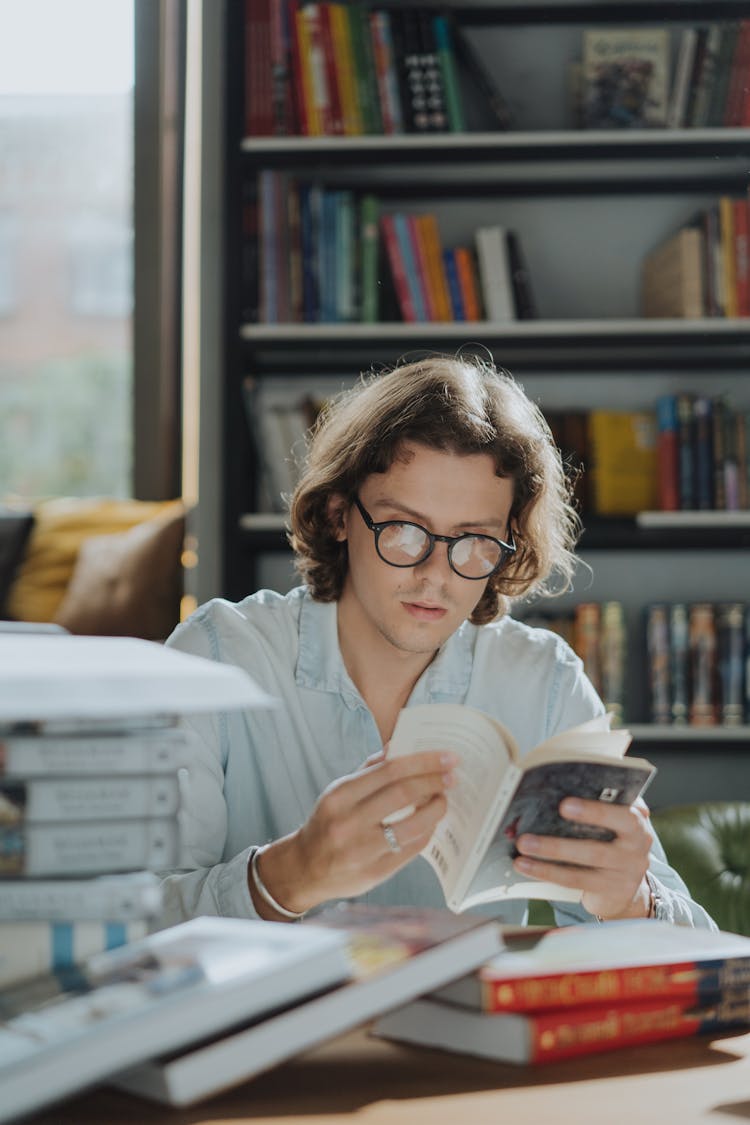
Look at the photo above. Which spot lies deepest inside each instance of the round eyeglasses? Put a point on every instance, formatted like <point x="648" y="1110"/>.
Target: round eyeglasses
<point x="400" y="543"/>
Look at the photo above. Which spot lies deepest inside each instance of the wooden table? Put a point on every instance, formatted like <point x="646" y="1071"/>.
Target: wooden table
<point x="357" y="1078"/>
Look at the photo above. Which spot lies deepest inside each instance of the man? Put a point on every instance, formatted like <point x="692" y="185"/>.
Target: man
<point x="432" y="495"/>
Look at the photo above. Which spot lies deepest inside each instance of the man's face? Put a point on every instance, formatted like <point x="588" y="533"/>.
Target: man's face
<point x="416" y="609"/>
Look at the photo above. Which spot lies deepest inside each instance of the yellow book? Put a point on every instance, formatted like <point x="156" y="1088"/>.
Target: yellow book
<point x="315" y="125"/>
<point x="343" y="52"/>
<point x="623" y="461"/>
<point x="429" y="234"/>
<point x="729" y="269"/>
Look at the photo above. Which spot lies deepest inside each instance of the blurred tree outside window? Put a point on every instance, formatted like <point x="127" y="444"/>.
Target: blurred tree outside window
<point x="66" y="248"/>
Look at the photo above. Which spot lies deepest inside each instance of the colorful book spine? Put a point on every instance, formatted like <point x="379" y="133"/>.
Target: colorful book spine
<point x="668" y="453"/>
<point x="730" y="636"/>
<point x="369" y="210"/>
<point x="703" y="665"/>
<point x="411" y="266"/>
<point x="613" y="645"/>
<point x="419" y="252"/>
<point x="458" y="313"/>
<point x="333" y="72"/>
<point x="344" y="57"/>
<point x="741" y="223"/>
<point x="77" y="799"/>
<point x="385" y="73"/>
<point x="398" y="269"/>
<point x="364" y="64"/>
<point x="469" y="282"/>
<point x="679" y="662"/>
<point x="658" y="661"/>
<point x="259" y="114"/>
<point x="447" y="60"/>
<point x="29" y="949"/>
<point x="586" y="640"/>
<point x="438" y="283"/>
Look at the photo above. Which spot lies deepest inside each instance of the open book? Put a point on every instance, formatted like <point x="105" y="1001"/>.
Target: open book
<point x="501" y="795"/>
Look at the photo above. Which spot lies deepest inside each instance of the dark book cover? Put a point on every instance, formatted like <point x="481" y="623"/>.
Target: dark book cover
<point x="523" y="295"/>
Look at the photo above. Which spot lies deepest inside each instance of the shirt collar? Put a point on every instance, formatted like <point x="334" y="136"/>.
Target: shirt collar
<point x="321" y="668"/>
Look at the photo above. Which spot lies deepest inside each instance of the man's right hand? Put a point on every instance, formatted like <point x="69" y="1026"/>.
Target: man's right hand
<point x="342" y="851"/>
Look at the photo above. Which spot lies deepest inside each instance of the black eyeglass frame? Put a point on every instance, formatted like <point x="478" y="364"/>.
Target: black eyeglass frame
<point x="507" y="550"/>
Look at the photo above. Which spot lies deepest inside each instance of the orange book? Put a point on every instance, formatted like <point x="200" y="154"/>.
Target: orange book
<point x="302" y="55"/>
<point x="437" y="281"/>
<point x="729" y="268"/>
<point x="543" y="1037"/>
<point x="419" y="249"/>
<point x="343" y="52"/>
<point x="467" y="279"/>
<point x="574" y="967"/>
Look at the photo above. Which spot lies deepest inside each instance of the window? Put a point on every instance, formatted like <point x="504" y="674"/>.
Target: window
<point x="66" y="247"/>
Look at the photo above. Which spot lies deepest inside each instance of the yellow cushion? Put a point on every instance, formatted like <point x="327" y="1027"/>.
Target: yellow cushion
<point x="60" y="528"/>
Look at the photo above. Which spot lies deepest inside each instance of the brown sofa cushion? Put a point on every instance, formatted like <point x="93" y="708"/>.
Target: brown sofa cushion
<point x="129" y="583"/>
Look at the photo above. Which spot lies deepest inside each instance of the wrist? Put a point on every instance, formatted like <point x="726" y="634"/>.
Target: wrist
<point x="643" y="904"/>
<point x="273" y="877"/>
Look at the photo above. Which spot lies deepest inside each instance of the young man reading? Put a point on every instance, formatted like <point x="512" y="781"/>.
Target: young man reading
<point x="432" y="495"/>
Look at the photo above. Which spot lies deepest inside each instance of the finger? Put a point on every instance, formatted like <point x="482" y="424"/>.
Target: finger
<point x="392" y="770"/>
<point x="574" y="853"/>
<point x="408" y="836"/>
<point x="619" y="819"/>
<point x="400" y="799"/>
<point x="585" y="879"/>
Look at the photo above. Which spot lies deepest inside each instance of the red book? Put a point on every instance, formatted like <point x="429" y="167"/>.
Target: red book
<point x="298" y="72"/>
<point x="668" y="453"/>
<point x="742" y="254"/>
<point x="580" y="966"/>
<point x="543" y="1037"/>
<point x="333" y="82"/>
<point x="738" y="80"/>
<point x="398" y="269"/>
<point x="259" y="112"/>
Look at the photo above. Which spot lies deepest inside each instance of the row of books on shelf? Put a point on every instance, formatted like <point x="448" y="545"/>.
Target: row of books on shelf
<point x="696" y="656"/>
<point x="341" y="69"/>
<point x="318" y="255"/>
<point x="703" y="269"/>
<point x="689" y="453"/>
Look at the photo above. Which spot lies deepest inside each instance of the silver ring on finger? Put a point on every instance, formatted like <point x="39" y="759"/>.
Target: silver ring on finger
<point x="391" y="839"/>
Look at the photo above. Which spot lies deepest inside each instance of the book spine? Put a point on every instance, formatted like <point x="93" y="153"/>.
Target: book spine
<point x="586" y="638"/>
<point x="525" y="306"/>
<point x="703" y="665"/>
<point x="95" y="848"/>
<point x="385" y="73"/>
<point x="77" y="799"/>
<point x="418" y="245"/>
<point x="706" y="79"/>
<point x="680" y="980"/>
<point x="458" y="312"/>
<point x="703" y="453"/>
<point x="119" y="898"/>
<point x="369" y="209"/>
<point x="259" y="112"/>
<point x="309" y="205"/>
<point x="28" y="949"/>
<point x="467" y="276"/>
<point x="430" y="237"/>
<point x="585" y="1031"/>
<point x="657" y="647"/>
<point x="24" y="757"/>
<point x="677" y="111"/>
<point x="668" y="453"/>
<point x="333" y="76"/>
<point x="411" y="267"/>
<point x="300" y="75"/>
<point x="741" y="222"/>
<point x="613" y="659"/>
<point x="281" y="79"/>
<point x="730" y="636"/>
<point x="686" y="426"/>
<point x="727" y="240"/>
<point x="398" y="270"/>
<point x="346" y="292"/>
<point x="679" y="661"/>
<point x="446" y="57"/>
<point x="494" y="273"/>
<point x="364" y="59"/>
<point x="294" y="255"/>
<point x="344" y="56"/>
<point x="719" y="410"/>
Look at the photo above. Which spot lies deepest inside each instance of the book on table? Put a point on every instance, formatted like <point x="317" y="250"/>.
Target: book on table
<point x="561" y="1033"/>
<point x="396" y="954"/>
<point x="631" y="960"/>
<point x="499" y="795"/>
<point x="169" y="989"/>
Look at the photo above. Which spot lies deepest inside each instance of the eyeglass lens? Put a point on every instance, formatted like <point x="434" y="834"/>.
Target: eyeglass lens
<point x="406" y="544"/>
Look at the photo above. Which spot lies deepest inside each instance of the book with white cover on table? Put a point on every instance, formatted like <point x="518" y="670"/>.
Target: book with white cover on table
<point x="163" y="992"/>
<point x="397" y="953"/>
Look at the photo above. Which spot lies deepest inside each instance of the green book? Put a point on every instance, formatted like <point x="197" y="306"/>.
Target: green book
<point x="446" y="56"/>
<point x="364" y="65"/>
<point x="369" y="212"/>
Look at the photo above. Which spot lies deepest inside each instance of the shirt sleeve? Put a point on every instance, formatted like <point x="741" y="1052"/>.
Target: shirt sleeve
<point x="205" y="882"/>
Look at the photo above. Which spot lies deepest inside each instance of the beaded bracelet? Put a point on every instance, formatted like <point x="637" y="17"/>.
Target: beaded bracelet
<point x="264" y="892"/>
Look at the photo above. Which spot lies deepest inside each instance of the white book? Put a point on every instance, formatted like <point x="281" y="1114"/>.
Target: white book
<point x="75" y="799"/>
<point x="499" y="795"/>
<point x="397" y="954"/>
<point x="116" y="898"/>
<point x="170" y="989"/>
<point x="680" y="92"/>
<point x="30" y="948"/>
<point x="495" y="274"/>
<point x="95" y="847"/>
<point x="156" y="750"/>
<point x="58" y="676"/>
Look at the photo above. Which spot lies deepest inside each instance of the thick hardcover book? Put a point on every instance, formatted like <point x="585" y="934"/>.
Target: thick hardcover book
<point x="576" y="966"/>
<point x="623" y="461"/>
<point x="63" y="677"/>
<point x="625" y="77"/>
<point x="172" y="988"/>
<point x="543" y="1037"/>
<point x="129" y="752"/>
<point x="30" y="948"/>
<point x="116" y="898"/>
<point x="730" y="636"/>
<point x="500" y="795"/>
<point x="673" y="276"/>
<point x="73" y="800"/>
<point x="396" y="954"/>
<point x="96" y="847"/>
<point x="703" y="665"/>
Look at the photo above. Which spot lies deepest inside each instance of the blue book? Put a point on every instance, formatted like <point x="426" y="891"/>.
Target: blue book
<point x="454" y="286"/>
<point x="410" y="265"/>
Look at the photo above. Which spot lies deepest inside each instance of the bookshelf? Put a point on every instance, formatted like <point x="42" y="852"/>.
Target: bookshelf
<point x="588" y="205"/>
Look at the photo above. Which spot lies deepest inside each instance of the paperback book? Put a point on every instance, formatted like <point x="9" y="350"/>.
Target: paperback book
<point x="500" y="795"/>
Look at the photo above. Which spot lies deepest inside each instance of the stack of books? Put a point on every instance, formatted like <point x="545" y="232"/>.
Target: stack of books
<point x="90" y="748"/>
<point x="555" y="994"/>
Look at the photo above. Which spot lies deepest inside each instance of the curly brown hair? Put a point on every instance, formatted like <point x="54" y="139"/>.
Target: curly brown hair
<point x="457" y="404"/>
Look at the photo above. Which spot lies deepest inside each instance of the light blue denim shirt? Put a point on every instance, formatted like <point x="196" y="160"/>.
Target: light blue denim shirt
<point x="257" y="774"/>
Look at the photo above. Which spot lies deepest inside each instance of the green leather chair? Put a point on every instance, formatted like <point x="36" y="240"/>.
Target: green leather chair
<point x="709" y="845"/>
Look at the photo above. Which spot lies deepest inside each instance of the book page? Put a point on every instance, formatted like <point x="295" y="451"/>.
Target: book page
<point x="534" y="808"/>
<point x="593" y="739"/>
<point x="484" y="761"/>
